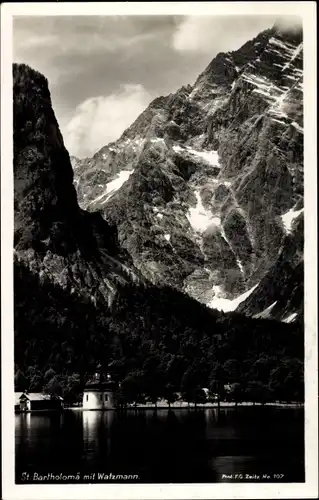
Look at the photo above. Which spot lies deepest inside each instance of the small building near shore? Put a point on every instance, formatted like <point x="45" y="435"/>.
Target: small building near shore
<point x="37" y="401"/>
<point x="17" y="402"/>
<point x="98" y="393"/>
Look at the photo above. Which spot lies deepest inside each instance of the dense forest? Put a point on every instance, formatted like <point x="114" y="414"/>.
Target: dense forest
<point x="156" y="342"/>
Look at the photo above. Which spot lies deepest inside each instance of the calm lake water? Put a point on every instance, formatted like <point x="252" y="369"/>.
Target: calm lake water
<point x="164" y="446"/>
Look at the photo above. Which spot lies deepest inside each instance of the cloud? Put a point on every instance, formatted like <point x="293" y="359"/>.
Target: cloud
<point x="86" y="56"/>
<point x="100" y="120"/>
<point x="75" y="42"/>
<point x="213" y="34"/>
<point x="289" y="23"/>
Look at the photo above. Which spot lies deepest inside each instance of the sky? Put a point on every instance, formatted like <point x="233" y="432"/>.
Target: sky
<point x="103" y="71"/>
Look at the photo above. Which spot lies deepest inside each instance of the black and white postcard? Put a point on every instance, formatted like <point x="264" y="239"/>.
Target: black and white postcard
<point x="159" y="304"/>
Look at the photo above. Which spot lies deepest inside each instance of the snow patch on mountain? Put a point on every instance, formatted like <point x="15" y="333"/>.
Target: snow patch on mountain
<point x="266" y="312"/>
<point x="294" y="55"/>
<point x="278" y="107"/>
<point x="210" y="156"/>
<point x="113" y="186"/>
<point x="279" y="121"/>
<point x="118" y="182"/>
<point x="239" y="263"/>
<point x="289" y="217"/>
<point x="287" y="47"/>
<point x="262" y="86"/>
<point x="157" y="139"/>
<point x="297" y="127"/>
<point x="157" y="212"/>
<point x="220" y="303"/>
<point x="199" y="217"/>
<point x="290" y="318"/>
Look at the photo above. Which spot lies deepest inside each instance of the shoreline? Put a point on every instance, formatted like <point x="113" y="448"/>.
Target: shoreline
<point x="191" y="406"/>
<point x="179" y="406"/>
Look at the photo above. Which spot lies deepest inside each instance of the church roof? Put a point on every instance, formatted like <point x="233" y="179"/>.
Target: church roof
<point x="106" y="385"/>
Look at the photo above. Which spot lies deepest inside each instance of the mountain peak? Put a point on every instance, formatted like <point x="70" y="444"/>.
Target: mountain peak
<point x="216" y="167"/>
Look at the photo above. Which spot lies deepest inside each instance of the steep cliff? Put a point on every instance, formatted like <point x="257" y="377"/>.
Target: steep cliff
<point x="53" y="237"/>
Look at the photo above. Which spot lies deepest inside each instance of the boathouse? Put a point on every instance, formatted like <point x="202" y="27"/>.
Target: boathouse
<point x="37" y="401"/>
<point x="98" y="393"/>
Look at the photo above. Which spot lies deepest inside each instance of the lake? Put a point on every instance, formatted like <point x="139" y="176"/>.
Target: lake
<point x="203" y="445"/>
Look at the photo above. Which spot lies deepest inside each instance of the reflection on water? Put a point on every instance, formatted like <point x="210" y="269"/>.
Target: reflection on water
<point x="96" y="434"/>
<point x="23" y="427"/>
<point x="164" y="445"/>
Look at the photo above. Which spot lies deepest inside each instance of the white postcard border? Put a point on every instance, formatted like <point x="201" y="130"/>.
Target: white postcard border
<point x="309" y="489"/>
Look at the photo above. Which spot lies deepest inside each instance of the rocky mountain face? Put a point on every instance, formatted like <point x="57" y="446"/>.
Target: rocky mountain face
<point x="171" y="213"/>
<point x="206" y="187"/>
<point x="53" y="237"/>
